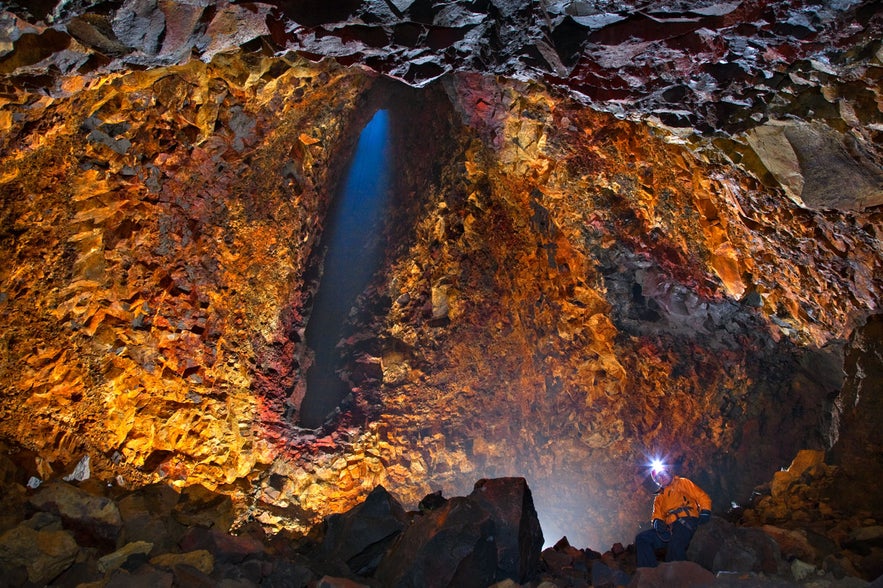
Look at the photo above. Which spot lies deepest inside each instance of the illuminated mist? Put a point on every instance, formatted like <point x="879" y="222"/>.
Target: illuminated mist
<point x="352" y="253"/>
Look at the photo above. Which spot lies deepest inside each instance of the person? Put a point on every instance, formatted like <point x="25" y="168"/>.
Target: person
<point x="679" y="506"/>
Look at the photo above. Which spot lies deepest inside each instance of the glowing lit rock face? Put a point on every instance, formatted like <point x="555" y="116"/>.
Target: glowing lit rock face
<point x="564" y="294"/>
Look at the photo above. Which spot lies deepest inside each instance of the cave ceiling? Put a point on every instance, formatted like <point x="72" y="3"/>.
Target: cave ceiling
<point x="615" y="230"/>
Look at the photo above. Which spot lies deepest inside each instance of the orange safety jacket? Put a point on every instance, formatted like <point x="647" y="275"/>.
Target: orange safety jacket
<point x="681" y="498"/>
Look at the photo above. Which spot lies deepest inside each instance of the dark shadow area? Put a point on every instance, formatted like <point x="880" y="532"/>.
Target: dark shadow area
<point x="857" y="414"/>
<point x="352" y="248"/>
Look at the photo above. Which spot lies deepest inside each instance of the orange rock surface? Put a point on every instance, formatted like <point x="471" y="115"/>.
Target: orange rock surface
<point x="564" y="295"/>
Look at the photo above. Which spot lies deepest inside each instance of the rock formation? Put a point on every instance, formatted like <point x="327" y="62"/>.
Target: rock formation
<point x="85" y="534"/>
<point x="613" y="234"/>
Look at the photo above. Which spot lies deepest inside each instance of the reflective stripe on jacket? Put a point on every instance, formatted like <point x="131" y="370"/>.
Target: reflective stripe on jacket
<point x="681" y="498"/>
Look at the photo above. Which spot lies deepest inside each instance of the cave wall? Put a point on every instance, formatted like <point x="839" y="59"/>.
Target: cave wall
<point x="157" y="224"/>
<point x="599" y="306"/>
<point x="565" y="293"/>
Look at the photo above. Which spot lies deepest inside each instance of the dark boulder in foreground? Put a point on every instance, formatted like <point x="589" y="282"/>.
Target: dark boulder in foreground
<point x="491" y="535"/>
<point x="357" y="539"/>
<point x="451" y="546"/>
<point x="722" y="547"/>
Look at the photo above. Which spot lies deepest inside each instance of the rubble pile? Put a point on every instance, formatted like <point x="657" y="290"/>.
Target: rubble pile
<point x="815" y="527"/>
<point x="93" y="534"/>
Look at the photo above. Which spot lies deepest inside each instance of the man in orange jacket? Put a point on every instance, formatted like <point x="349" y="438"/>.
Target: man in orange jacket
<point x="679" y="506"/>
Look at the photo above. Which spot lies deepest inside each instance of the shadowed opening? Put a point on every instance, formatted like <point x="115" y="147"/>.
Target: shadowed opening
<point x="352" y="245"/>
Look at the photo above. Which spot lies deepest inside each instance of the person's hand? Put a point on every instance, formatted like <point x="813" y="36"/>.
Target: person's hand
<point x="704" y="516"/>
<point x="663" y="531"/>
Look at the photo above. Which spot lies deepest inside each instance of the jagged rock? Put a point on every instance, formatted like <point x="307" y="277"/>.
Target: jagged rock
<point x="560" y="556"/>
<point x="89" y="515"/>
<point x="198" y="506"/>
<point x="43" y="553"/>
<point x="451" y="546"/>
<point x="140" y="24"/>
<point x="865" y="538"/>
<point x="792" y="543"/>
<point x="604" y="575"/>
<point x="783" y="479"/>
<point x="361" y="536"/>
<point x="491" y="534"/>
<point x="720" y="546"/>
<point x="287" y="573"/>
<point x="186" y="575"/>
<point x="200" y="560"/>
<point x="432" y="501"/>
<point x="675" y="573"/>
<point x="615" y="284"/>
<point x="226" y="548"/>
<point x="818" y="167"/>
<point x="517" y="534"/>
<point x="116" y="559"/>
<point x="458" y="531"/>
<point x="147" y="516"/>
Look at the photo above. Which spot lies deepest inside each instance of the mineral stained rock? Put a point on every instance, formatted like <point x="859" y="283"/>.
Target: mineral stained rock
<point x="566" y="289"/>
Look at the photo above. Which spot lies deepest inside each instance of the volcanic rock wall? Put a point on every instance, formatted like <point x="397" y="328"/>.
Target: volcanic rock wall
<point x="172" y="214"/>
<point x="565" y="292"/>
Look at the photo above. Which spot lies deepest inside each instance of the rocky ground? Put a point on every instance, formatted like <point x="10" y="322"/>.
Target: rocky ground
<point x="87" y="533"/>
<point x="616" y="232"/>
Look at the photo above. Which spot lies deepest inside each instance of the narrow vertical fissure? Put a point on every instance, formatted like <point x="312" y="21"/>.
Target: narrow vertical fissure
<point x="352" y="248"/>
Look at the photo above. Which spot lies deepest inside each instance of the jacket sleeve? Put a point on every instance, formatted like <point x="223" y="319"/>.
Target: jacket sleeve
<point x="658" y="508"/>
<point x="699" y="496"/>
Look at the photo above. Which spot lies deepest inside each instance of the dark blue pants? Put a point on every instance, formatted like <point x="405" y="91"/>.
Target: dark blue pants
<point x="647" y="542"/>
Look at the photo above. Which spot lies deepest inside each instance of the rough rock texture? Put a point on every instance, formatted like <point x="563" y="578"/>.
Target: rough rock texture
<point x="575" y="278"/>
<point x="812" y="510"/>
<point x="178" y="538"/>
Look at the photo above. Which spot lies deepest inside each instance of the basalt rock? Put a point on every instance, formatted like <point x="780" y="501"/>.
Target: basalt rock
<point x="360" y="538"/>
<point x="720" y="546"/>
<point x="712" y="65"/>
<point x="454" y="543"/>
<point x="615" y="233"/>
<point x="676" y="573"/>
<point x="803" y="512"/>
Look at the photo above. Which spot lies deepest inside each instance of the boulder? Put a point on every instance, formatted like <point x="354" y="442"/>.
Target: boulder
<point x="43" y="553"/>
<point x="452" y="546"/>
<point x="147" y="516"/>
<point x="792" y="543"/>
<point x="225" y="548"/>
<point x="199" y="506"/>
<point x="200" y="560"/>
<point x="285" y="574"/>
<point x="143" y="577"/>
<point x="519" y="537"/>
<point x="863" y="539"/>
<point x="87" y="515"/>
<point x="361" y="536"/>
<point x="805" y="460"/>
<point x="720" y="546"/>
<point x="119" y="557"/>
<point x="604" y="575"/>
<point x="683" y="574"/>
<point x="564" y="561"/>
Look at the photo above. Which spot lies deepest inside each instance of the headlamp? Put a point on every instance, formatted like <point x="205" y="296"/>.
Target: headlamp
<point x="656" y="466"/>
